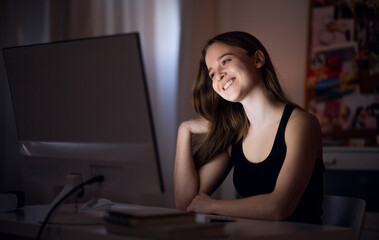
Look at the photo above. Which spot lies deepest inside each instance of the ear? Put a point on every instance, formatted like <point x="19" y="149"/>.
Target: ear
<point x="259" y="59"/>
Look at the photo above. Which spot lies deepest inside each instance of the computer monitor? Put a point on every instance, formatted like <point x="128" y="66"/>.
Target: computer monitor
<point x="82" y="107"/>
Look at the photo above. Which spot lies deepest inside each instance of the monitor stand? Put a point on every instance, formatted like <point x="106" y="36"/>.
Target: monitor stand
<point x="71" y="213"/>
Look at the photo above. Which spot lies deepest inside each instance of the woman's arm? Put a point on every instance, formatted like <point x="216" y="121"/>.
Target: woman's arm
<point x="304" y="146"/>
<point x="188" y="181"/>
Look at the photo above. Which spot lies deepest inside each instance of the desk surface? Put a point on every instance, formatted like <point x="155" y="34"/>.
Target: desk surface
<point x="25" y="223"/>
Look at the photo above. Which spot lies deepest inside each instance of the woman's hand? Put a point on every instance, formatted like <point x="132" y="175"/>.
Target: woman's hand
<point x="196" y="126"/>
<point x="201" y="204"/>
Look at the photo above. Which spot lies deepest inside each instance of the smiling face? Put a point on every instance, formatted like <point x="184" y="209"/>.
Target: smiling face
<point x="234" y="74"/>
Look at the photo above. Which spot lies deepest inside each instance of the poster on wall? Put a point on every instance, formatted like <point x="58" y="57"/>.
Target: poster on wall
<point x="342" y="83"/>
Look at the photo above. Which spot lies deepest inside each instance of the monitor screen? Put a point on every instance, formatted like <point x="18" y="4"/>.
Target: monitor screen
<point x="82" y="107"/>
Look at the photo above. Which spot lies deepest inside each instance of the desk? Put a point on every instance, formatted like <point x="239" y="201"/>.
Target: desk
<point x="23" y="224"/>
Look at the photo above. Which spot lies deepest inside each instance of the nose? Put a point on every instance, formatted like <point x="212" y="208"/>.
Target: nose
<point x="220" y="76"/>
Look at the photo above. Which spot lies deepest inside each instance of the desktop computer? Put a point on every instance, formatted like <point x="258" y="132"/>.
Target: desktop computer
<point x="82" y="109"/>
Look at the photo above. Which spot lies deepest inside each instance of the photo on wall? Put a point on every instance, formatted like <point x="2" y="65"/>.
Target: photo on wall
<point x="342" y="82"/>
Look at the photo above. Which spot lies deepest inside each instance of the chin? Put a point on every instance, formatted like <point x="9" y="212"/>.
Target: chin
<point x="230" y="97"/>
<point x="233" y="100"/>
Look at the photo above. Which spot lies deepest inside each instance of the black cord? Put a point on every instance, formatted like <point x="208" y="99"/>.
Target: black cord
<point x="89" y="181"/>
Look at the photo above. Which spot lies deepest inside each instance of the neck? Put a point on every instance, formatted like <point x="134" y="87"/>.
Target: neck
<point x="260" y="110"/>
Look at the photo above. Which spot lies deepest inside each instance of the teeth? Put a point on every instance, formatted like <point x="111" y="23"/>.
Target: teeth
<point x="228" y="84"/>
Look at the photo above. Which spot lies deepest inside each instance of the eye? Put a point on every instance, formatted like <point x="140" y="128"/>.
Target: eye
<point x="226" y="61"/>
<point x="211" y="75"/>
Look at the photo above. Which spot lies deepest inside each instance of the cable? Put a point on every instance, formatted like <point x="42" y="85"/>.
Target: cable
<point x="89" y="181"/>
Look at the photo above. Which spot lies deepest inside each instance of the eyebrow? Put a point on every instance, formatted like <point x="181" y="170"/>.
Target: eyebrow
<point x="219" y="58"/>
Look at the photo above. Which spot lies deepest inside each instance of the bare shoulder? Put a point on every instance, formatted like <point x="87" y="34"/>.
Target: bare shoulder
<point x="302" y="119"/>
<point x="304" y="129"/>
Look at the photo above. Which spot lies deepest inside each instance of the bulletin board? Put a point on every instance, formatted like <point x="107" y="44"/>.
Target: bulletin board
<point x="342" y="82"/>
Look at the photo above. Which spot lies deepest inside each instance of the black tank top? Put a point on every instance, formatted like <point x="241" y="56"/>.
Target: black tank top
<point x="251" y="179"/>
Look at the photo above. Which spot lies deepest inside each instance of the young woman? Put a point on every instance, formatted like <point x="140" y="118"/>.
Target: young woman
<point x="274" y="146"/>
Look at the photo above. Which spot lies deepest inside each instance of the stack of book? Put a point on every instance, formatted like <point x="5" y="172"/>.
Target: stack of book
<point x="160" y="223"/>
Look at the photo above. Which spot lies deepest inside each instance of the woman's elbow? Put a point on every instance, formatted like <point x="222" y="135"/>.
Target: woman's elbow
<point x="281" y="213"/>
<point x="280" y="216"/>
<point x="181" y="204"/>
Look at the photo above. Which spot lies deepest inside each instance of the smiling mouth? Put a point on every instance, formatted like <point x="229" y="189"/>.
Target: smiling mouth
<point x="228" y="83"/>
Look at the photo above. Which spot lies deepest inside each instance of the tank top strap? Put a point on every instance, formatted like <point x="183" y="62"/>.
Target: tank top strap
<point x="285" y="117"/>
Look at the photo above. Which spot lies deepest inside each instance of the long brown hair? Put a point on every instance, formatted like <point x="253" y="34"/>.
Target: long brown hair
<point x="228" y="121"/>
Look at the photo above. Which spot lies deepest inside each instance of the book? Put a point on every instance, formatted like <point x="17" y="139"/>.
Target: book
<point x="191" y="231"/>
<point x="148" y="216"/>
